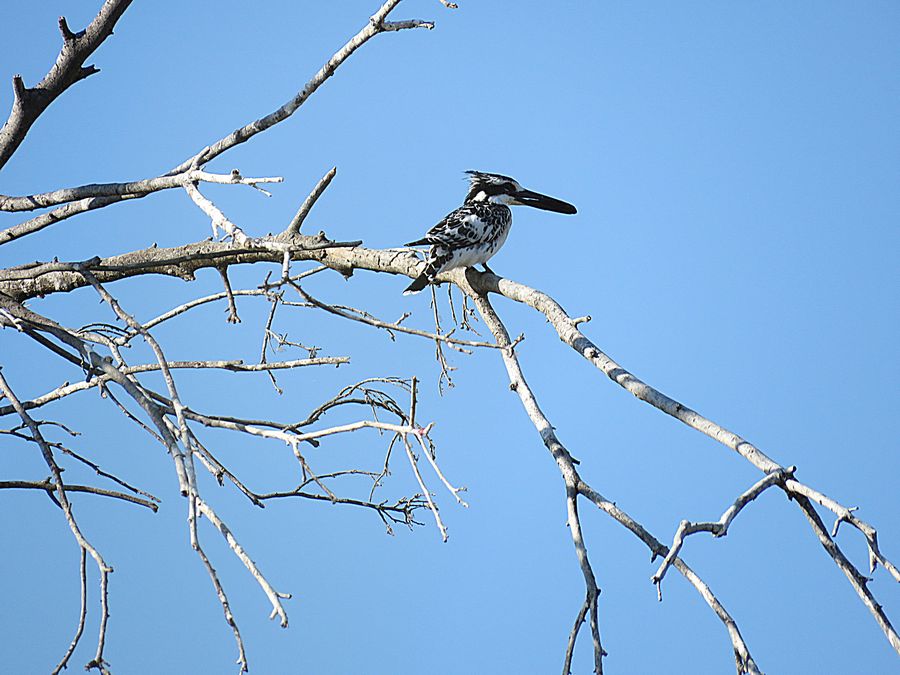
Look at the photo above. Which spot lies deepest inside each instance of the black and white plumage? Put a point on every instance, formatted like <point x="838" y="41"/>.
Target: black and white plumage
<point x="475" y="231"/>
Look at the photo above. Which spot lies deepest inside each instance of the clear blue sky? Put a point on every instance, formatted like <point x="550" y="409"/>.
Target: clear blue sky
<point x="735" y="167"/>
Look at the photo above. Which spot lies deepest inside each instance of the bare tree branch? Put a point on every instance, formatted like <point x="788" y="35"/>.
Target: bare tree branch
<point x="234" y="366"/>
<point x="63" y="501"/>
<point x="226" y="608"/>
<point x="23" y="116"/>
<point x="82" y="615"/>
<point x="857" y="580"/>
<point x="374" y="26"/>
<point x="69" y="68"/>
<point x="567" y="329"/>
<point x="183" y="262"/>
<point x="49" y="487"/>
<point x="95" y="196"/>
<point x="390" y="327"/>
<point x="138" y="188"/>
<point x="275" y="597"/>
<point x="720" y="527"/>
<point x="744" y="662"/>
<point x="297" y="221"/>
<point x="576" y="486"/>
<point x="403" y="262"/>
<point x="178" y="427"/>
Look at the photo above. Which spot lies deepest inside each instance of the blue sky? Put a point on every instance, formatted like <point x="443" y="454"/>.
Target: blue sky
<point x="735" y="167"/>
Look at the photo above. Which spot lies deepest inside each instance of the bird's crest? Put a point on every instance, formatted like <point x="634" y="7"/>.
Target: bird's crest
<point x="483" y="185"/>
<point x="484" y="178"/>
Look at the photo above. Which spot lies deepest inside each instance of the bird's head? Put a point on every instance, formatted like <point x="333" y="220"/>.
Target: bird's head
<point x="499" y="189"/>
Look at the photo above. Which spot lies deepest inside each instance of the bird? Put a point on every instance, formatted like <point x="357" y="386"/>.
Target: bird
<point x="475" y="231"/>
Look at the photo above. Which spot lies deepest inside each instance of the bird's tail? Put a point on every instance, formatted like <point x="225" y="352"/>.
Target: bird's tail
<point x="434" y="265"/>
<point x="420" y="282"/>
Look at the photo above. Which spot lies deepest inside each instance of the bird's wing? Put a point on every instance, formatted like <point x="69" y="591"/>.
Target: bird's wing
<point x="463" y="227"/>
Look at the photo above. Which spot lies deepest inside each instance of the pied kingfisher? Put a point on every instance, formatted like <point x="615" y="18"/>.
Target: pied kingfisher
<point x="475" y="231"/>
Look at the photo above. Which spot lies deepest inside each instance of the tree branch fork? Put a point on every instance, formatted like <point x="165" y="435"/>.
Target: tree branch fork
<point x="172" y="423"/>
<point x="346" y="257"/>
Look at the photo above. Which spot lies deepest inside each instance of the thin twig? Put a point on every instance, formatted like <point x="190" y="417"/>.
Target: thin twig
<point x="63" y="501"/>
<point x="232" y="308"/>
<point x="50" y="487"/>
<point x="720" y="527"/>
<point x="226" y="608"/>
<point x="236" y="366"/>
<point x="133" y="188"/>
<point x="297" y="221"/>
<point x="372" y="321"/>
<point x="446" y="368"/>
<point x="373" y="27"/>
<point x="425" y="493"/>
<point x="82" y="615"/>
<point x="274" y="596"/>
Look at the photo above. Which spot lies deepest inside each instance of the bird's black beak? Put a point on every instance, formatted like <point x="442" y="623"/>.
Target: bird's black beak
<point x="539" y="201"/>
